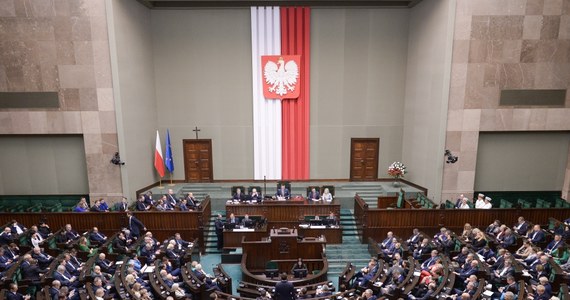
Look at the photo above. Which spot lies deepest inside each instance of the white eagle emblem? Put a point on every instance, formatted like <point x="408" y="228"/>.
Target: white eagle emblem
<point x="283" y="78"/>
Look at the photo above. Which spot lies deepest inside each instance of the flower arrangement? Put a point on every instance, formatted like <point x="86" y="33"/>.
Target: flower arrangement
<point x="397" y="170"/>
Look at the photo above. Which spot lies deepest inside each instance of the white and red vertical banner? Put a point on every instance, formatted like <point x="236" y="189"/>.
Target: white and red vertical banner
<point x="281" y="86"/>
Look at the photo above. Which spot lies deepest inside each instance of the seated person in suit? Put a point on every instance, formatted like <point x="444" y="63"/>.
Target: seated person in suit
<point x="13" y="294"/>
<point x="191" y="201"/>
<point x="96" y="236"/>
<point x="246" y="221"/>
<point x="521" y="227"/>
<point x="282" y="192"/>
<point x="233" y="219"/>
<point x="537" y="235"/>
<point x="327" y="196"/>
<point x="238" y="195"/>
<point x="314" y="195"/>
<point x="552" y="246"/>
<point x="255" y="196"/>
<point x="141" y="204"/>
<point x="17" y="228"/>
<point x="6" y="237"/>
<point x="332" y="220"/>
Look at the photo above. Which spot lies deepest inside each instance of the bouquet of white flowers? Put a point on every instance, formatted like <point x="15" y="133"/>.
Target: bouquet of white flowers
<point x="397" y="170"/>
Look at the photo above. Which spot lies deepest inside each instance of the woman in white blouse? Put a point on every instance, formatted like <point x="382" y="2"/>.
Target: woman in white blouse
<point x="327" y="196"/>
<point x="36" y="239"/>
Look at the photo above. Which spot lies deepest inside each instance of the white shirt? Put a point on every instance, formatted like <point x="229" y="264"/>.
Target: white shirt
<point x="479" y="203"/>
<point x="487" y="205"/>
<point x="464" y="206"/>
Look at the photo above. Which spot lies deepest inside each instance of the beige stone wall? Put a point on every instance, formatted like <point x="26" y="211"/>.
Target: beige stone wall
<point x="503" y="44"/>
<point x="62" y="46"/>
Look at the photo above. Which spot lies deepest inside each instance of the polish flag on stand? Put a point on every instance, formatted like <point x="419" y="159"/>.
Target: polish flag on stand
<point x="158" y="160"/>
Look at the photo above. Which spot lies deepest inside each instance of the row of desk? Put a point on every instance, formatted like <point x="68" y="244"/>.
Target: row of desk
<point x="283" y="214"/>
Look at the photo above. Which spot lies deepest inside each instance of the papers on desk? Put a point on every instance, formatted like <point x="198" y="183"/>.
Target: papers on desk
<point x="417" y="273"/>
<point x="243" y="230"/>
<point x="481" y="257"/>
<point x="318" y="226"/>
<point x="526" y="273"/>
<point x="488" y="293"/>
<point x="147" y="269"/>
<point x="118" y="263"/>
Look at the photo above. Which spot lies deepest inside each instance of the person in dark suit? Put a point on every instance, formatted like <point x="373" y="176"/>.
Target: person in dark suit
<point x="54" y="290"/>
<point x="135" y="226"/>
<point x="219" y="223"/>
<point x="508" y="239"/>
<point x="13" y="294"/>
<point x="142" y="204"/>
<point x="541" y="293"/>
<point x="255" y="195"/>
<point x="30" y="269"/>
<point x="521" y="227"/>
<point x="332" y="219"/>
<point x="284" y="290"/>
<point x="17" y="228"/>
<point x="5" y="262"/>
<point x="472" y="270"/>
<point x="182" y="204"/>
<point x="148" y="199"/>
<point x="314" y="195"/>
<point x="537" y="235"/>
<point x="191" y="201"/>
<point x="43" y="259"/>
<point x="554" y="244"/>
<point x="123" y="205"/>
<point x="502" y="273"/>
<point x="171" y="198"/>
<point x="282" y="192"/>
<point x="422" y="249"/>
<point x="106" y="265"/>
<point x="120" y="244"/>
<point x="70" y="234"/>
<point x="238" y="195"/>
<point x="415" y="239"/>
<point x="65" y="278"/>
<point x="6" y="237"/>
<point x="233" y="219"/>
<point x="96" y="207"/>
<point x="96" y="236"/>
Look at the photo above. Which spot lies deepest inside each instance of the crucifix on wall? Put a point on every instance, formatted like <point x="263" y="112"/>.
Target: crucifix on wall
<point x="196" y="130"/>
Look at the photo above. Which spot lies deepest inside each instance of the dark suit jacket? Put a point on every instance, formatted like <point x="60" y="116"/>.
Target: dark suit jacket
<point x="284" y="193"/>
<point x="6" y="239"/>
<point x="508" y="240"/>
<point x="13" y="228"/>
<point x="537" y="237"/>
<point x="31" y="272"/>
<point x="97" y="237"/>
<point x="284" y="290"/>
<point x="240" y="196"/>
<point x="315" y="195"/>
<point x="135" y="226"/>
<point x="523" y="229"/>
<point x="14" y="296"/>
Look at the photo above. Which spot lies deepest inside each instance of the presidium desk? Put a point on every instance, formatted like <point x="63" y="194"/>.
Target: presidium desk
<point x="279" y="250"/>
<point x="283" y="214"/>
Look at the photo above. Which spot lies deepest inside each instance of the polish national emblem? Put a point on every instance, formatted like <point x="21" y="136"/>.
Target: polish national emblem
<point x="281" y="76"/>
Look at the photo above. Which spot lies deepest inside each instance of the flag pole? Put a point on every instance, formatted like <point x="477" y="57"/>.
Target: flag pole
<point x="160" y="183"/>
<point x="171" y="184"/>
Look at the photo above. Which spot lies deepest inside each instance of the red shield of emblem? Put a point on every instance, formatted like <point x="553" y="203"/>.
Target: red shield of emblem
<point x="281" y="76"/>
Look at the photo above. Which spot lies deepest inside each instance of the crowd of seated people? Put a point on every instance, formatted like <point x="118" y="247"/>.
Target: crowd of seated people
<point x="145" y="202"/>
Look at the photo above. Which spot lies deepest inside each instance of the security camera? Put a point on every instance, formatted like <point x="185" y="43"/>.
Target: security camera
<point x="116" y="160"/>
<point x="451" y="159"/>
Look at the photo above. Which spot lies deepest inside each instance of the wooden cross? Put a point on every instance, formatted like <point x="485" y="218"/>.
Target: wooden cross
<point x="196" y="130"/>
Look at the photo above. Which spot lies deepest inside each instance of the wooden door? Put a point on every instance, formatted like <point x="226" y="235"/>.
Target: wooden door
<point x="198" y="160"/>
<point x="364" y="158"/>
